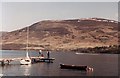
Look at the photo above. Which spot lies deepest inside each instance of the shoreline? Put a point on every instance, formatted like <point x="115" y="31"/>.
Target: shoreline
<point x="82" y="52"/>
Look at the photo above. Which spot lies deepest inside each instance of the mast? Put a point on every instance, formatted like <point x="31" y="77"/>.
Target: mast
<point x="27" y="42"/>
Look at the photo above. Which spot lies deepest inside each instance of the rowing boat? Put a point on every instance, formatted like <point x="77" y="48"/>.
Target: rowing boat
<point x="76" y="67"/>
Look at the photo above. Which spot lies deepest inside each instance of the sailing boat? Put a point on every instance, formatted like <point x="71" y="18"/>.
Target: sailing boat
<point x="26" y="60"/>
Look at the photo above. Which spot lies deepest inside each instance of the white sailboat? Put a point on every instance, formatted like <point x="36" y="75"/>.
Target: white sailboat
<point x="26" y="60"/>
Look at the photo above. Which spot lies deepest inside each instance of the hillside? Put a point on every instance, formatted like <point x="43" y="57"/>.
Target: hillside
<point x="64" y="34"/>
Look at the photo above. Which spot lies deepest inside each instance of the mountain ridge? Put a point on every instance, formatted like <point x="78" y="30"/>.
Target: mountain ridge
<point x="64" y="34"/>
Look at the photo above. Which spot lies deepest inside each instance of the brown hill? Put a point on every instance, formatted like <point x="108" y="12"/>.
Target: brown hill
<point x="64" y="34"/>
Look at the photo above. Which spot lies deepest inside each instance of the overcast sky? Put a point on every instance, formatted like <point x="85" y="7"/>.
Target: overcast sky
<point x="16" y="15"/>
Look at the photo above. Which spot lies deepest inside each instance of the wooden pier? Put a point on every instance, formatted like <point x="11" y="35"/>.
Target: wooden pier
<point x="6" y="61"/>
<point x="48" y="60"/>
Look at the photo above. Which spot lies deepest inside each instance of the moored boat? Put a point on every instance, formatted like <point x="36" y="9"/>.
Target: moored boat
<point x="26" y="61"/>
<point x="76" y="67"/>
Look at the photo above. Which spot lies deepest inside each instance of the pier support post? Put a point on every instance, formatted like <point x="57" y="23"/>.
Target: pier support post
<point x="2" y="63"/>
<point x="8" y="62"/>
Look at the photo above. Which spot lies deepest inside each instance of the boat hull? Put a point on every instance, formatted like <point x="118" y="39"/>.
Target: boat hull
<point x="64" y="66"/>
<point x="25" y="61"/>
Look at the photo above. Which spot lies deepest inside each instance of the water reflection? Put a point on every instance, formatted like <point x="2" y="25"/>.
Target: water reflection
<point x="26" y="69"/>
<point x="1" y="73"/>
<point x="90" y="72"/>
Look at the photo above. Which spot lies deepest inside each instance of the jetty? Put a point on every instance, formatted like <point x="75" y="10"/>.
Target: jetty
<point x="7" y="61"/>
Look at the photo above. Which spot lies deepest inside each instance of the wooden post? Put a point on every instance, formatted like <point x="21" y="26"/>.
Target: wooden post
<point x="2" y="63"/>
<point x="8" y="62"/>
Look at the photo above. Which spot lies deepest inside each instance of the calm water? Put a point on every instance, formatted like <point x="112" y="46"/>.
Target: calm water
<point x="103" y="64"/>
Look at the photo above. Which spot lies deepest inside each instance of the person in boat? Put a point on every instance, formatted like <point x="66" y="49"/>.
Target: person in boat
<point x="48" y="54"/>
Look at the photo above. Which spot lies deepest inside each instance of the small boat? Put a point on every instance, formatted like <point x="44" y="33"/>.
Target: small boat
<point x="79" y="53"/>
<point x="76" y="67"/>
<point x="85" y="53"/>
<point x="26" y="61"/>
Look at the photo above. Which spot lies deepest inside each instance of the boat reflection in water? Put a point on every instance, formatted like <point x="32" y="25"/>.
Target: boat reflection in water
<point x="26" y="69"/>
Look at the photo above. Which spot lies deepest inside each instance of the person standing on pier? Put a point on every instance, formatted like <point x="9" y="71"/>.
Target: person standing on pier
<point x="48" y="54"/>
<point x="40" y="53"/>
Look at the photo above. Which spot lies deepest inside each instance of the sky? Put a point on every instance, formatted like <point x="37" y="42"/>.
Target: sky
<point x="17" y="15"/>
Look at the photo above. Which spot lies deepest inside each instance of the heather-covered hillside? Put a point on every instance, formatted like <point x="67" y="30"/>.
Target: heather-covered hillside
<point x="64" y="35"/>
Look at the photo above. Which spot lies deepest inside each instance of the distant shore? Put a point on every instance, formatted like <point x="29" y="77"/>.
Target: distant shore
<point x="113" y="49"/>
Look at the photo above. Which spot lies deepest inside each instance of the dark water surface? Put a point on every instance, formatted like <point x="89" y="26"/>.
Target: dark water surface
<point x="103" y="64"/>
